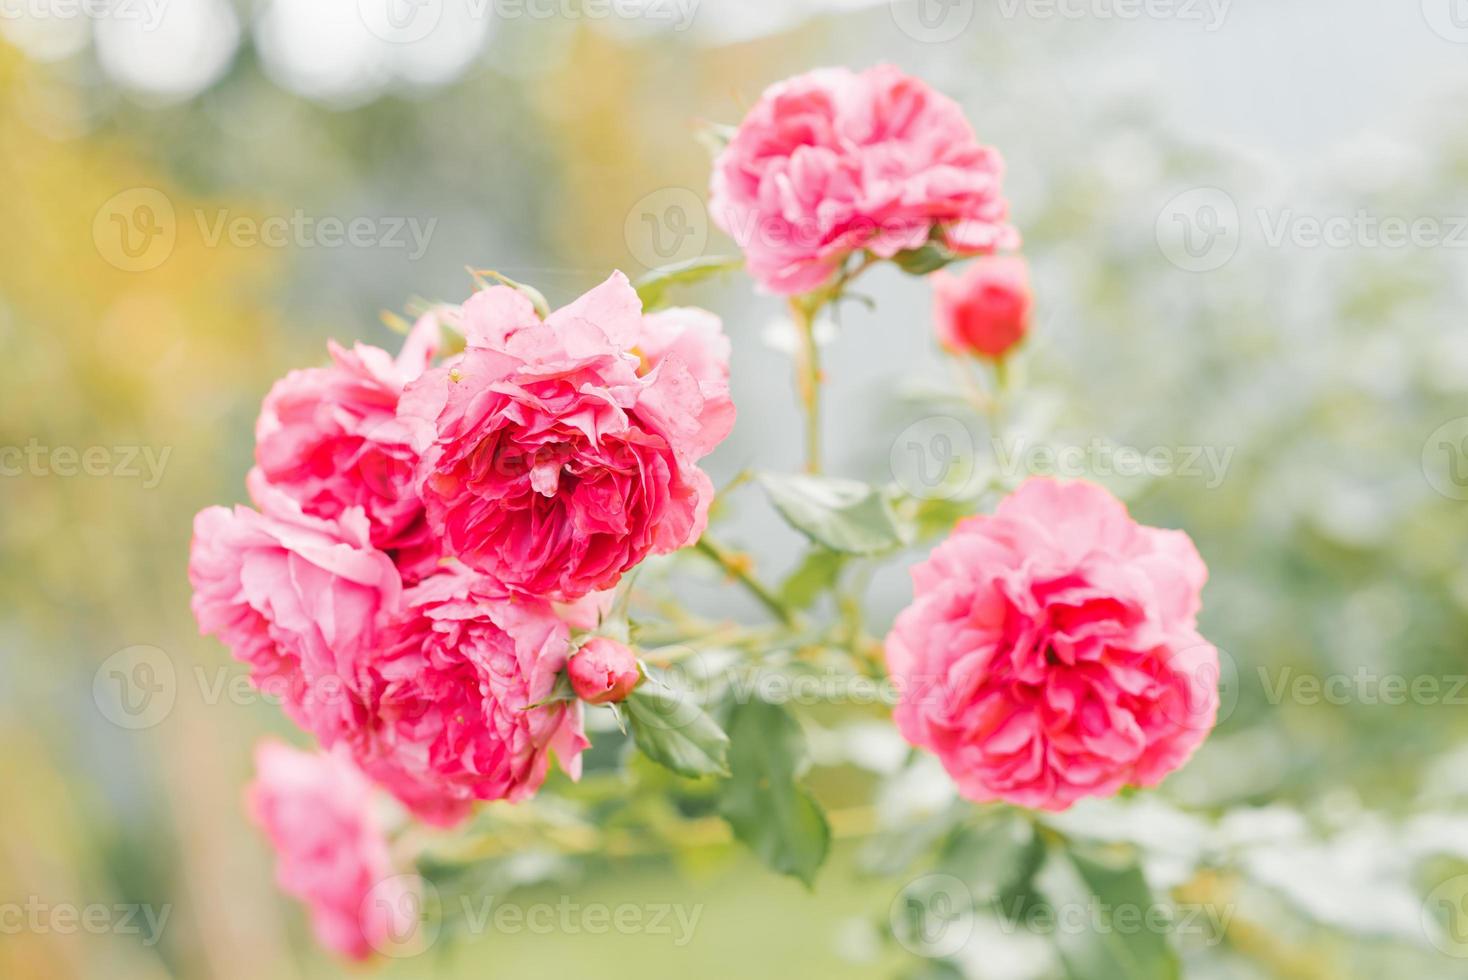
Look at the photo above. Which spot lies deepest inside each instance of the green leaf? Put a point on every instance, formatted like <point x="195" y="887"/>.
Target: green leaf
<point x="560" y="691"/>
<point x="672" y="730"/>
<point x="924" y="259"/>
<point x="843" y="515"/>
<point x="921" y="519"/>
<point x="817" y="573"/>
<point x="1123" y="940"/>
<point x="995" y="858"/>
<point x="653" y="288"/>
<point x="767" y="810"/>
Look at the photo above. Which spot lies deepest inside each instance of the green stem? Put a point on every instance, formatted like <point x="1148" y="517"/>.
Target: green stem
<point x="808" y="378"/>
<point x="739" y="572"/>
<point x="804" y="310"/>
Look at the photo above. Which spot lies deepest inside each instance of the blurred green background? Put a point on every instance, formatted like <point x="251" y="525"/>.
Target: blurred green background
<point x="178" y="187"/>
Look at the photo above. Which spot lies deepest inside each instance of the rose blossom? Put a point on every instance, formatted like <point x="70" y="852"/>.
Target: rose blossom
<point x="328" y="437"/>
<point x="985" y="308"/>
<point x="298" y="599"/>
<point x="603" y="671"/>
<point x="556" y="455"/>
<point x="832" y="162"/>
<point x="1051" y="650"/>
<point x="446" y="714"/>
<point x="316" y="810"/>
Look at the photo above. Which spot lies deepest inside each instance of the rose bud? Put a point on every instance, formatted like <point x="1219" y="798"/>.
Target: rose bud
<point x="985" y="309"/>
<point x="603" y="671"/>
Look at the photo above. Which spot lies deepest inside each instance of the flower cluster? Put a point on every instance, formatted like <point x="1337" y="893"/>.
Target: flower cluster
<point x="415" y="522"/>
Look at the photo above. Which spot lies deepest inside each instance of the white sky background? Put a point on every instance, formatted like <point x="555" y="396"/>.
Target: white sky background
<point x="1291" y="75"/>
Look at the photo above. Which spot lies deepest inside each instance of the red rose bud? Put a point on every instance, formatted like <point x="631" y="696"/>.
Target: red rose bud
<point x="603" y="671"/>
<point x="985" y="309"/>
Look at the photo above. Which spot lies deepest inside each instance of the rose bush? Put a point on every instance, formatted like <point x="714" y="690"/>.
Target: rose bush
<point x="439" y="578"/>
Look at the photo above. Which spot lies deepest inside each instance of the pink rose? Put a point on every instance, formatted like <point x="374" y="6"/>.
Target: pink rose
<point x="328" y="437"/>
<point x="1051" y="651"/>
<point x="985" y="309"/>
<point x="832" y="162"/>
<point x="316" y="810"/>
<point x="300" y="600"/>
<point x="554" y="457"/>
<point x="603" y="671"/>
<point x="446" y="717"/>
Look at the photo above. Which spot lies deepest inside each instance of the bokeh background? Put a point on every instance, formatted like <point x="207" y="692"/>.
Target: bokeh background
<point x="1248" y="229"/>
